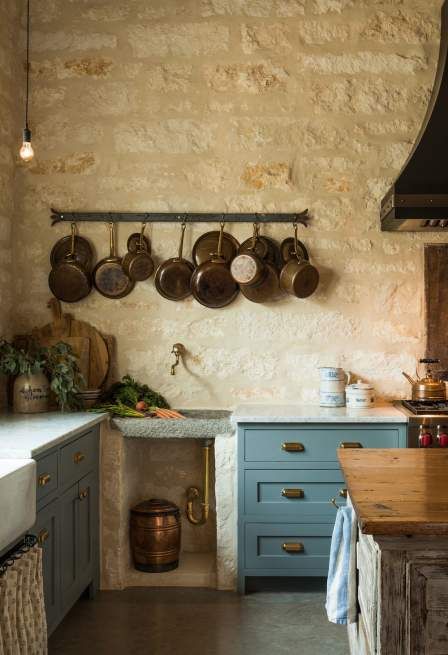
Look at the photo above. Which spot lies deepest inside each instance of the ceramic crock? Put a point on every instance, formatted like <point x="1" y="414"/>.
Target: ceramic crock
<point x="360" y="395"/>
<point x="31" y="393"/>
<point x="331" y="399"/>
<point x="333" y="373"/>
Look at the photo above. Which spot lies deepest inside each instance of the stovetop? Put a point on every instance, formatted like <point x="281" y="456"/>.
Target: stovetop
<point x="426" y="407"/>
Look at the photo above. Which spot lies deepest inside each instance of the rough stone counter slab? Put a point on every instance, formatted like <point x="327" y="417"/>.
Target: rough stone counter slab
<point x="197" y="424"/>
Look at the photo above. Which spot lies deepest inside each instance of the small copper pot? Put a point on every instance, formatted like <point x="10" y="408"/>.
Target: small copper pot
<point x="248" y="268"/>
<point x="298" y="277"/>
<point x="155" y="533"/>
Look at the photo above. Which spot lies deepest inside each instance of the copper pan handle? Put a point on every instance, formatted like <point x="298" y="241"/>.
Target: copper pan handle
<point x="181" y="243"/>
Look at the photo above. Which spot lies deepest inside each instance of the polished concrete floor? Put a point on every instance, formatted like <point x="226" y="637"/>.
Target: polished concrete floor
<point x="199" y="621"/>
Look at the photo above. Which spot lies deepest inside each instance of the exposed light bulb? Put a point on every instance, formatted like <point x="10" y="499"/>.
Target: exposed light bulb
<point x="26" y="151"/>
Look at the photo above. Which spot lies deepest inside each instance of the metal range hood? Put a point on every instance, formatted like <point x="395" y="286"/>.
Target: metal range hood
<point x="418" y="201"/>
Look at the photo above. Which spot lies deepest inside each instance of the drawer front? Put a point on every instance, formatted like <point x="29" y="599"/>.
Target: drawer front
<point x="78" y="458"/>
<point x="300" y="495"/>
<point x="297" y="444"/>
<point x="47" y="475"/>
<point x="287" y="546"/>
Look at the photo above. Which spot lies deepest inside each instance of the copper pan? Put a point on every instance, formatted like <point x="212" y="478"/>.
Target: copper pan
<point x="69" y="280"/>
<point x="138" y="264"/>
<point x="298" y="277"/>
<point x="108" y="275"/>
<point x="212" y="283"/>
<point x="173" y="277"/>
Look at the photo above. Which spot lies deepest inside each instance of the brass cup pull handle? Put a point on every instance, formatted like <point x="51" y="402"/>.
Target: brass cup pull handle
<point x="293" y="547"/>
<point x="293" y="447"/>
<point x="78" y="457"/>
<point x="83" y="494"/>
<point x="293" y="493"/>
<point x="343" y="493"/>
<point x="43" y="479"/>
<point x="350" y="444"/>
<point x="42" y="537"/>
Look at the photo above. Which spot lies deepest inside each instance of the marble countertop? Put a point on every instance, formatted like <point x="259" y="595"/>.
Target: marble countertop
<point x="386" y="413"/>
<point x="398" y="491"/>
<point x="27" y="435"/>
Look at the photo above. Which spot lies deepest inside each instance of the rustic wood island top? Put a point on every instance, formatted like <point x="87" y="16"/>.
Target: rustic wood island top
<point x="398" y="491"/>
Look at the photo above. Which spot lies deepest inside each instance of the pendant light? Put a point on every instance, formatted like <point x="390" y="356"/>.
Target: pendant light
<point x="26" y="151"/>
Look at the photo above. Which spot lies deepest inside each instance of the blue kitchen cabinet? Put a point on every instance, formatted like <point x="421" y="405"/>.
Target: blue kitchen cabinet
<point x="287" y="474"/>
<point x="67" y="524"/>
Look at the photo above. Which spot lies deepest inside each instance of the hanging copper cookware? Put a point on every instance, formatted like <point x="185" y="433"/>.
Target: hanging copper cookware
<point x="138" y="264"/>
<point x="298" y="277"/>
<point x="212" y="283"/>
<point x="173" y="277"/>
<point x="108" y="275"/>
<point x="137" y="240"/>
<point x="248" y="267"/>
<point x="81" y="250"/>
<point x="205" y="247"/>
<point x="69" y="280"/>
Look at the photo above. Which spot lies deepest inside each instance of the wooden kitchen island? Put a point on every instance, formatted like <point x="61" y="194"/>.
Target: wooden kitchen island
<point x="401" y="501"/>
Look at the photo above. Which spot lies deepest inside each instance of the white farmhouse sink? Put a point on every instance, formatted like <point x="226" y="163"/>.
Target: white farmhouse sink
<point x="17" y="499"/>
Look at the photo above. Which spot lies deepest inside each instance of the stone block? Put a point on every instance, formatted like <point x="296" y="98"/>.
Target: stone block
<point x="188" y="39"/>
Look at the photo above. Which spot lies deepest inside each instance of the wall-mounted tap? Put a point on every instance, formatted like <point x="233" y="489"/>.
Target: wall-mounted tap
<point x="178" y="350"/>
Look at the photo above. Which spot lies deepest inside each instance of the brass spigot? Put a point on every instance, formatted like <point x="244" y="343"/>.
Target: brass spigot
<point x="178" y="350"/>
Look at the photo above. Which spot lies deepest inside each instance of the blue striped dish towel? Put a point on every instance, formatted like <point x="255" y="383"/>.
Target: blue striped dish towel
<point x="341" y="602"/>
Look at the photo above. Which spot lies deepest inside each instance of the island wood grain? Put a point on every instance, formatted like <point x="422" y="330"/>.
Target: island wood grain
<point x="398" y="491"/>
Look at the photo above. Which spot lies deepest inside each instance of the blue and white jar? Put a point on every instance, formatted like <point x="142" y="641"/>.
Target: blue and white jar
<point x="332" y="386"/>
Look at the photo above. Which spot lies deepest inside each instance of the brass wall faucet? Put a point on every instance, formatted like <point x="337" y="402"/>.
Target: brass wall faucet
<point x="178" y="350"/>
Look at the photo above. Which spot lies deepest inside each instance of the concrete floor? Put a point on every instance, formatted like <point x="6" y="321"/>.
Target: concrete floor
<point x="199" y="621"/>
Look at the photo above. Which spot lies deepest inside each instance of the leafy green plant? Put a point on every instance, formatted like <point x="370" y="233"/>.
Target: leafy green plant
<point x="59" y="363"/>
<point x="129" y="392"/>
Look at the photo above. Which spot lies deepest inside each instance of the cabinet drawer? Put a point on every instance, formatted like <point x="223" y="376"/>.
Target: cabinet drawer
<point x="47" y="475"/>
<point x="302" y="495"/>
<point x="297" y="444"/>
<point x="288" y="546"/>
<point x="78" y="458"/>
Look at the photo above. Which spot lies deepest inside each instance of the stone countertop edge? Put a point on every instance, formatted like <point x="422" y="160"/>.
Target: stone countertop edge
<point x="385" y="413"/>
<point x="139" y="428"/>
<point x="28" y="435"/>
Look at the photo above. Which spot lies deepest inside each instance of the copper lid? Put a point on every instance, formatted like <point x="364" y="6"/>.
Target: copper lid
<point x="155" y="507"/>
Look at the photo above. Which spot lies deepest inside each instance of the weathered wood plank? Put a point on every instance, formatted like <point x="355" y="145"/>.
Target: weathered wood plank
<point x="392" y="604"/>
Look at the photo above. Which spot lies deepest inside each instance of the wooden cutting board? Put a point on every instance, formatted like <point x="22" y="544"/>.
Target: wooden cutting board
<point x="85" y="340"/>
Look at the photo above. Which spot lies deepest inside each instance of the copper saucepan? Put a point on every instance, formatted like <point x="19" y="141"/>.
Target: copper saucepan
<point x="298" y="277"/>
<point x="138" y="264"/>
<point x="69" y="280"/>
<point x="173" y="277"/>
<point x="248" y="267"/>
<point x="212" y="283"/>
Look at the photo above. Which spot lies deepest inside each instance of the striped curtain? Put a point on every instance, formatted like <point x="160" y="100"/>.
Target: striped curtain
<point x="23" y="626"/>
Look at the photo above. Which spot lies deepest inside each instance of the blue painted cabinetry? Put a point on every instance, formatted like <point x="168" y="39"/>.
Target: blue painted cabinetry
<point x="287" y="474"/>
<point x="67" y="524"/>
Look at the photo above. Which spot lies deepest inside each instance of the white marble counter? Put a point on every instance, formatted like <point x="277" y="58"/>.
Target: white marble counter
<point x="386" y="413"/>
<point x="27" y="435"/>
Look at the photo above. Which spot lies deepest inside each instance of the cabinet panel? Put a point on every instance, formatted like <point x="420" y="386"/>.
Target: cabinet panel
<point x="47" y="531"/>
<point x="87" y="527"/>
<point x="69" y="528"/>
<point x="319" y="444"/>
<point x="288" y="546"/>
<point x="78" y="458"/>
<point x="302" y="495"/>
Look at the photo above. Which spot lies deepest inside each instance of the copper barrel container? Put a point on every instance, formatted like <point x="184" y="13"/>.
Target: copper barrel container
<point x="155" y="535"/>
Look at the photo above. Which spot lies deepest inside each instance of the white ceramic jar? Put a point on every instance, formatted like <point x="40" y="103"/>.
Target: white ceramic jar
<point x="332" y="386"/>
<point x="360" y="395"/>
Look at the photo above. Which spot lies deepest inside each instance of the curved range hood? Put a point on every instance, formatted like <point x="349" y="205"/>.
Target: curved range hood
<point x="418" y="201"/>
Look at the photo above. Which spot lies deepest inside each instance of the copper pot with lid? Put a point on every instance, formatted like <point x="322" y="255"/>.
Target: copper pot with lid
<point x="427" y="387"/>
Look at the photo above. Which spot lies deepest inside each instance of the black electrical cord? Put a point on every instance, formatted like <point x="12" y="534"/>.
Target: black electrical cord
<point x="27" y="63"/>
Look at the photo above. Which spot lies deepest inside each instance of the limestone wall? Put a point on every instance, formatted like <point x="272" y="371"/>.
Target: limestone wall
<point x="10" y="79"/>
<point x="257" y="105"/>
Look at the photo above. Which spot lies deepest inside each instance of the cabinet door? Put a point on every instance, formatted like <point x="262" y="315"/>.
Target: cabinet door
<point x="47" y="531"/>
<point x="69" y="528"/>
<point x="87" y="529"/>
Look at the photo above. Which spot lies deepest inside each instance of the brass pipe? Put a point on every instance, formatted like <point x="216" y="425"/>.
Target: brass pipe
<point x="193" y="492"/>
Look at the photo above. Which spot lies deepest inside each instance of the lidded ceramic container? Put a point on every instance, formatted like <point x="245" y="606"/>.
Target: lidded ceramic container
<point x="360" y="395"/>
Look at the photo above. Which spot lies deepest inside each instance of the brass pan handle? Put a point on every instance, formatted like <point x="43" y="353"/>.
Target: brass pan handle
<point x="293" y="547"/>
<point x="350" y="444"/>
<point x="78" y="457"/>
<point x="293" y="447"/>
<point x="293" y="493"/>
<point x="43" y="479"/>
<point x="42" y="537"/>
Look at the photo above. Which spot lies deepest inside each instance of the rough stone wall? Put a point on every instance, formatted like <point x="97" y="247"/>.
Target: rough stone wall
<point x="258" y="105"/>
<point x="9" y="143"/>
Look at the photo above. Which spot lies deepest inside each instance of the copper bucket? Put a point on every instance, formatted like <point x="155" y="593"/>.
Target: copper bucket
<point x="155" y="535"/>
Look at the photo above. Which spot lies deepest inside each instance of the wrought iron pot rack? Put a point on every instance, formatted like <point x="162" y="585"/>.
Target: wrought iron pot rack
<point x="175" y="217"/>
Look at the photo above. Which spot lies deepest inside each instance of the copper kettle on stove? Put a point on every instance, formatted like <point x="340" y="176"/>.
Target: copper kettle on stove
<point x="427" y="387"/>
